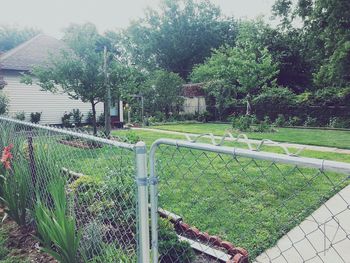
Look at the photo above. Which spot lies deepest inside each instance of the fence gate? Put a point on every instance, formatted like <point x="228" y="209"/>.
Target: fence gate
<point x="237" y="205"/>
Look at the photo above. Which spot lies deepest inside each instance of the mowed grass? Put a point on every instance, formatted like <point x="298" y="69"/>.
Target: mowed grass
<point x="330" y="138"/>
<point x="249" y="203"/>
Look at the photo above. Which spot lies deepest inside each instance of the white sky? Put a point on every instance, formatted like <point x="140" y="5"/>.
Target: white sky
<point x="53" y="15"/>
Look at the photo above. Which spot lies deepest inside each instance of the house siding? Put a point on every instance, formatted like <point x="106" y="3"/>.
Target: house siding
<point x="30" y="98"/>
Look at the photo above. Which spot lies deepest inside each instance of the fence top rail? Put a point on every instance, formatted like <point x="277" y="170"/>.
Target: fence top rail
<point x="72" y="133"/>
<point x="321" y="164"/>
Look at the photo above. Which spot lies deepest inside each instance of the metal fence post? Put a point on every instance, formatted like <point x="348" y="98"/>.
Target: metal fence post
<point x="154" y="203"/>
<point x="142" y="193"/>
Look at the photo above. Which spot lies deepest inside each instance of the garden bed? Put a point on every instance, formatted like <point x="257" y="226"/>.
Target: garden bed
<point x="21" y="244"/>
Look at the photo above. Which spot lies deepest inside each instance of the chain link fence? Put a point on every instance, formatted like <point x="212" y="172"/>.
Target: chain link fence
<point x="236" y="205"/>
<point x="101" y="196"/>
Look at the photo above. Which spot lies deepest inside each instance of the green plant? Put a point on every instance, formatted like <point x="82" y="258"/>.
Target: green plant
<point x="77" y="117"/>
<point x="112" y="254"/>
<point x="294" y="121"/>
<point x="243" y="123"/>
<point x="264" y="125"/>
<point x="335" y="122"/>
<point x="3" y="248"/>
<point x="310" y="122"/>
<point x="89" y="118"/>
<point x="132" y="137"/>
<point x="67" y="120"/>
<point x="4" y="101"/>
<point x="92" y="240"/>
<point x="15" y="190"/>
<point x="57" y="229"/>
<point x="170" y="248"/>
<point x="20" y="116"/>
<point x="280" y="121"/>
<point x="101" y="120"/>
<point x="35" y="117"/>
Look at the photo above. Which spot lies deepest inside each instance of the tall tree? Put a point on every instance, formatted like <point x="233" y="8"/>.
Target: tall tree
<point x="326" y="24"/>
<point x="11" y="37"/>
<point x="232" y="73"/>
<point x="79" y="69"/>
<point x="178" y="36"/>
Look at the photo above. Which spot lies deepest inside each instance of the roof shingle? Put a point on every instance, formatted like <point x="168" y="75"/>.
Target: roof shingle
<point x="34" y="52"/>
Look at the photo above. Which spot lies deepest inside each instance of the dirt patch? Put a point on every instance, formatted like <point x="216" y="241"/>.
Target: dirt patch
<point x="22" y="243"/>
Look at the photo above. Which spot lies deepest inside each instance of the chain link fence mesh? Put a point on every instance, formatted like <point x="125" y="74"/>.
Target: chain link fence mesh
<point x="99" y="181"/>
<point x="240" y="209"/>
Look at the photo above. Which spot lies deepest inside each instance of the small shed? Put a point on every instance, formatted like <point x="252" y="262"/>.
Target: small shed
<point x="194" y="98"/>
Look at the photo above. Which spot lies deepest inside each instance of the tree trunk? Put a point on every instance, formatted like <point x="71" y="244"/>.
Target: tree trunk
<point x="93" y="106"/>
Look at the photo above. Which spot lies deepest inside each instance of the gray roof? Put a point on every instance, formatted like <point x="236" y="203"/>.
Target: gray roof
<point x="34" y="52"/>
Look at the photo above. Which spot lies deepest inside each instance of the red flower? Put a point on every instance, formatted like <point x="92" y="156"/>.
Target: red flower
<point x="7" y="156"/>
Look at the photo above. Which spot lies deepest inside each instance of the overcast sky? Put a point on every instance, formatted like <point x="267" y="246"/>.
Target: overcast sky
<point x="53" y="15"/>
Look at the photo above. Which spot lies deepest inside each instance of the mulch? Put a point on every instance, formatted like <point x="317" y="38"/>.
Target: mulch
<point x="22" y="242"/>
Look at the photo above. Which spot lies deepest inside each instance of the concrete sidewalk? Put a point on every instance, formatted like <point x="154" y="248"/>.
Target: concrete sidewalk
<point x="322" y="237"/>
<point x="288" y="145"/>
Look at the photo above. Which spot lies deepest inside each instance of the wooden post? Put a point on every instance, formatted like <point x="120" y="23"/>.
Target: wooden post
<point x="32" y="165"/>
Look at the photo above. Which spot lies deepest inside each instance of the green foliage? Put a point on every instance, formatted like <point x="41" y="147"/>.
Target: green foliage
<point x="310" y="122"/>
<point x="4" y="101"/>
<point x="111" y="254"/>
<point x="15" y="190"/>
<point x="35" y="117"/>
<point x="77" y="117"/>
<point x="170" y="248"/>
<point x="162" y="92"/>
<point x="243" y="123"/>
<point x="3" y="248"/>
<point x="231" y="73"/>
<point x="20" y="116"/>
<point x="92" y="240"/>
<point x="57" y="229"/>
<point x="339" y="123"/>
<point x="66" y="119"/>
<point x="11" y="37"/>
<point x="280" y="121"/>
<point x="159" y="41"/>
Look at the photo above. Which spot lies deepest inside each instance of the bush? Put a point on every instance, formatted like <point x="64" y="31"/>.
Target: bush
<point x="20" y="116"/>
<point x="264" y="126"/>
<point x="170" y="248"/>
<point x="67" y="120"/>
<point x="294" y="121"/>
<point x="56" y="228"/>
<point x="35" y="117"/>
<point x="77" y="117"/>
<point x="280" y="121"/>
<point x="89" y="118"/>
<point x="101" y="120"/>
<point x="310" y="122"/>
<point x="243" y="123"/>
<point x="336" y="122"/>
<point x="4" y="101"/>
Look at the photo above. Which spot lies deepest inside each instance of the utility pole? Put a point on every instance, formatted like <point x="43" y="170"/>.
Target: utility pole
<point x="107" y="104"/>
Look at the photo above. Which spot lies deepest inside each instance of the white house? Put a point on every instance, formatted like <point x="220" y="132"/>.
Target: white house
<point x="31" y="98"/>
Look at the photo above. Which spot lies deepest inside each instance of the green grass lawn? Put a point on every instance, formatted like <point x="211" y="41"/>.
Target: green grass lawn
<point x="331" y="138"/>
<point x="250" y="203"/>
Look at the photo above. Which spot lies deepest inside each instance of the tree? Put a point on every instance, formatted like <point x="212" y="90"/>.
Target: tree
<point x="179" y="36"/>
<point x="326" y="25"/>
<point x="162" y="92"/>
<point x="11" y="37"/>
<point x="231" y="73"/>
<point x="79" y="68"/>
<point x="288" y="50"/>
